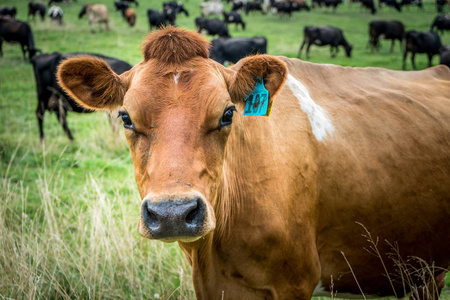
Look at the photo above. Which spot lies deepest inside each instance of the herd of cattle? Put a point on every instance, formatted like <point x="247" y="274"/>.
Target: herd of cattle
<point x="223" y="49"/>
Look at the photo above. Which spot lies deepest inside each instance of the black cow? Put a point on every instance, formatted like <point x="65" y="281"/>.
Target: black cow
<point x="233" y="17"/>
<point x="440" y="4"/>
<point x="50" y="95"/>
<point x="172" y="9"/>
<point x="421" y="42"/>
<point x="322" y="36"/>
<point x="327" y="3"/>
<point x="390" y="30"/>
<point x="445" y="56"/>
<point x="253" y="6"/>
<point x="288" y="6"/>
<point x="212" y="26"/>
<point x="15" y="31"/>
<point x="10" y="11"/>
<point x="233" y="49"/>
<point x="132" y="1"/>
<point x="36" y="9"/>
<point x="390" y="3"/>
<point x="121" y="5"/>
<point x="237" y="5"/>
<point x="418" y="3"/>
<point x="370" y="5"/>
<point x="441" y="22"/>
<point x="156" y="19"/>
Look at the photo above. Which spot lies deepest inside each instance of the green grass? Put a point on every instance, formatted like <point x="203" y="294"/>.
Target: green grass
<point x="69" y="211"/>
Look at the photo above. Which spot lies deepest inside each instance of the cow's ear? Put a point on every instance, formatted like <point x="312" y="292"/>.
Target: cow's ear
<point x="92" y="83"/>
<point x="249" y="70"/>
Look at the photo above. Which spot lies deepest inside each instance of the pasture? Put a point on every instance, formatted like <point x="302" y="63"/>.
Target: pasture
<point x="69" y="210"/>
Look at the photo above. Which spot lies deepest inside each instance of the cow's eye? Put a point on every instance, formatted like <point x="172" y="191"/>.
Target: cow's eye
<point x="227" y="117"/>
<point x="127" y="123"/>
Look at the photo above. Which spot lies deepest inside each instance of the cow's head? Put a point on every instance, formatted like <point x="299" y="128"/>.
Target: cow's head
<point x="177" y="108"/>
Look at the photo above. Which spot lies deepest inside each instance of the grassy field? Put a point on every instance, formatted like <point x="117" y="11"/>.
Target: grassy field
<point x="69" y="210"/>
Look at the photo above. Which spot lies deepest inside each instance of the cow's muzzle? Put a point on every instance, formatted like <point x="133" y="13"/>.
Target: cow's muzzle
<point x="179" y="219"/>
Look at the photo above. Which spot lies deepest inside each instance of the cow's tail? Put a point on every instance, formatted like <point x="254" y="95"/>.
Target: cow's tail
<point x="31" y="48"/>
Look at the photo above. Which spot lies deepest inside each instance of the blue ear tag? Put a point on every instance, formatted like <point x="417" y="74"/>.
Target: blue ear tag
<point x="257" y="102"/>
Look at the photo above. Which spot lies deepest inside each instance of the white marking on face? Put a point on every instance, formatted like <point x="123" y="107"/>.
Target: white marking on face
<point x="318" y="117"/>
<point x="175" y="77"/>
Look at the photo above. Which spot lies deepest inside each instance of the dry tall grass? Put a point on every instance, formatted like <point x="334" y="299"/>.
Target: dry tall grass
<point x="85" y="249"/>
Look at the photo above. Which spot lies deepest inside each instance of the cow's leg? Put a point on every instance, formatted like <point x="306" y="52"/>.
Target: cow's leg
<point x="40" y="111"/>
<point x="62" y="118"/>
<point x="392" y="45"/>
<point x="107" y="25"/>
<point x="24" y="52"/>
<point x="1" y="49"/>
<point x="307" y="50"/>
<point x="91" y="26"/>
<point x="405" y="53"/>
<point x="299" y="54"/>
<point x="430" y="58"/>
<point x="413" y="56"/>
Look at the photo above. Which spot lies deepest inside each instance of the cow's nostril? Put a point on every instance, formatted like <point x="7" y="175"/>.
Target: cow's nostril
<point x="196" y="215"/>
<point x="150" y="218"/>
<point x="191" y="215"/>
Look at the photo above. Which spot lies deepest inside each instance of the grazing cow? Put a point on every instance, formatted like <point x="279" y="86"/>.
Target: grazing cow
<point x="9" y="11"/>
<point x="322" y="36"/>
<point x="132" y="1"/>
<point x="233" y="17"/>
<point x="36" y="8"/>
<point x="56" y="14"/>
<point x="421" y="42"/>
<point x="212" y="27"/>
<point x="441" y="22"/>
<point x="286" y="206"/>
<point x="129" y="15"/>
<point x="172" y="9"/>
<point x="254" y="6"/>
<point x="445" y="56"/>
<point x="121" y="5"/>
<point x="370" y="5"/>
<point x="238" y="5"/>
<point x="389" y="30"/>
<point x="407" y="3"/>
<point x="15" y="31"/>
<point x="156" y="19"/>
<point x="390" y="3"/>
<point x="288" y="6"/>
<point x="440" y="4"/>
<point x="327" y="3"/>
<point x="211" y="8"/>
<point x="97" y="13"/>
<point x="50" y="95"/>
<point x="233" y="49"/>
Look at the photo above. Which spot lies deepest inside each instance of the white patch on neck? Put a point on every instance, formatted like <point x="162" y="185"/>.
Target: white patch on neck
<point x="175" y="77"/>
<point x="320" y="122"/>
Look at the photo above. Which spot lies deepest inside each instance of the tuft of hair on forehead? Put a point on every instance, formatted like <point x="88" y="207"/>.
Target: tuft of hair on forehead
<point x="174" y="45"/>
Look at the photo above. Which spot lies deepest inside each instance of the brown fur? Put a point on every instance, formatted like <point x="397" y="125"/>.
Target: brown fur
<point x="283" y="203"/>
<point x="130" y="15"/>
<point x="174" y="46"/>
<point x="77" y="76"/>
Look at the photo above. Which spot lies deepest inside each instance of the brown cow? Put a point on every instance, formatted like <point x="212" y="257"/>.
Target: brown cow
<point x="97" y="13"/>
<point x="267" y="208"/>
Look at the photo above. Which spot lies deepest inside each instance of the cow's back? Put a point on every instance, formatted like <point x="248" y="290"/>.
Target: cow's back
<point x="384" y="163"/>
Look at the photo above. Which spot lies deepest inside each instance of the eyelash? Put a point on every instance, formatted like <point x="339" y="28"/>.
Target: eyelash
<point x="127" y="123"/>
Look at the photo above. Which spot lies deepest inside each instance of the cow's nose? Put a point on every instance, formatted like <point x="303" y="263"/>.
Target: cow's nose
<point x="172" y="220"/>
